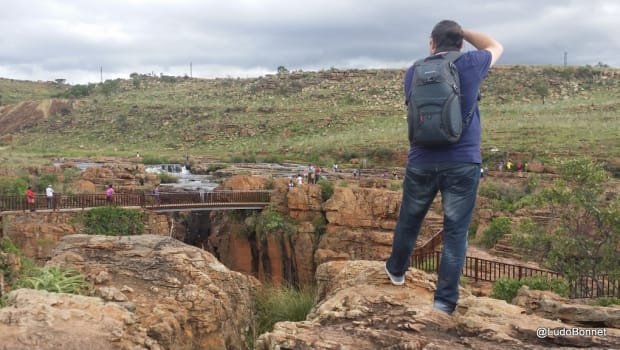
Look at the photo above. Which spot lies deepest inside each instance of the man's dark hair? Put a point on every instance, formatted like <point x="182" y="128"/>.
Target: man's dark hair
<point x="448" y="36"/>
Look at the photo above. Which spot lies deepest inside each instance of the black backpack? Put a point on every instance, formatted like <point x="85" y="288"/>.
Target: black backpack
<point x="434" y="114"/>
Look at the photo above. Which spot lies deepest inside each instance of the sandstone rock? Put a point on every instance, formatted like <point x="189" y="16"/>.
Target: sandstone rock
<point x="247" y="183"/>
<point x="183" y="296"/>
<point x="552" y="306"/>
<point x="41" y="320"/>
<point x="358" y="308"/>
<point x="363" y="207"/>
<point x="85" y="186"/>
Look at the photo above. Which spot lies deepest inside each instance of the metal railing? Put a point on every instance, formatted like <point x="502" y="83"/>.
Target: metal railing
<point x="491" y="271"/>
<point x="171" y="200"/>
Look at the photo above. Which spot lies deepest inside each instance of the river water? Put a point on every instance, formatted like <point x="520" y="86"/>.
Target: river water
<point x="194" y="182"/>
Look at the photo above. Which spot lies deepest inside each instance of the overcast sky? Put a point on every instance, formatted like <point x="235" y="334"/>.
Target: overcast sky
<point x="77" y="39"/>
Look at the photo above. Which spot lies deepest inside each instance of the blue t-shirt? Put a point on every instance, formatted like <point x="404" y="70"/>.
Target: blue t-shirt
<point x="473" y="67"/>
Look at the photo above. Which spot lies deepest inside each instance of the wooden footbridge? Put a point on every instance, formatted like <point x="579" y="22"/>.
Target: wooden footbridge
<point x="164" y="202"/>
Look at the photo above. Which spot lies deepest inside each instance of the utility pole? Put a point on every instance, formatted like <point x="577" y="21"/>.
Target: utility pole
<point x="190" y="70"/>
<point x="101" y="73"/>
<point x="565" y="58"/>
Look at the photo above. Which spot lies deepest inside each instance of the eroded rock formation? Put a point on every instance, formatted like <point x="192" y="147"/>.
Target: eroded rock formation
<point x="182" y="296"/>
<point x="357" y="308"/>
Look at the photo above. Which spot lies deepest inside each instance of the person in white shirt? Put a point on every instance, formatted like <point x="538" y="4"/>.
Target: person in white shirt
<point x="49" y="193"/>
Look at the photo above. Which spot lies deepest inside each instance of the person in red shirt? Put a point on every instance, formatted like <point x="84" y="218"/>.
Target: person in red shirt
<point x="30" y="198"/>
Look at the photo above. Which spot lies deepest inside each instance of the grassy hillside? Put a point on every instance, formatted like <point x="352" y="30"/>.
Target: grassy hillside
<point x="314" y="116"/>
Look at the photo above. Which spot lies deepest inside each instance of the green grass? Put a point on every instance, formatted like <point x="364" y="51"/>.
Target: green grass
<point x="277" y="304"/>
<point x="315" y="116"/>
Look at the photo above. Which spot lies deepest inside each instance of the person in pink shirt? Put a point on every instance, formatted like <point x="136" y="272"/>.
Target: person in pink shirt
<point x="108" y="194"/>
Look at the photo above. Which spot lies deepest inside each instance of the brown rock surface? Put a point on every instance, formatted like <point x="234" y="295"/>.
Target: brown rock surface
<point x="41" y="320"/>
<point x="358" y="308"/>
<point x="183" y="296"/>
<point x="363" y="207"/>
<point x="551" y="306"/>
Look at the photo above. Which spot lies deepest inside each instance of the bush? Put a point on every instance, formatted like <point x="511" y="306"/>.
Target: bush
<point x="44" y="180"/>
<point x="113" y="221"/>
<point x="506" y="288"/>
<point x="327" y="189"/>
<point x="497" y="229"/>
<point x="166" y="178"/>
<point x="12" y="186"/>
<point x="56" y="280"/>
<point x="285" y="303"/>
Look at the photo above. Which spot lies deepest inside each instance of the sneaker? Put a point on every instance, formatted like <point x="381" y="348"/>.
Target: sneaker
<point x="396" y="280"/>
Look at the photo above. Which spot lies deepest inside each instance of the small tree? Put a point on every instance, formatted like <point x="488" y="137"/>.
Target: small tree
<point x="586" y="240"/>
<point x="542" y="89"/>
<point x="282" y="70"/>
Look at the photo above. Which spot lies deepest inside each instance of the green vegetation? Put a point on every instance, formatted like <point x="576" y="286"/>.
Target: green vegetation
<point x="112" y="221"/>
<point x="277" y="304"/>
<point x="12" y="186"/>
<point x="506" y="196"/>
<point x="507" y="288"/>
<point x="607" y="301"/>
<point x="320" y="116"/>
<point x="166" y="178"/>
<point x="269" y="221"/>
<point x="56" y="280"/>
<point x="587" y="235"/>
<point x="497" y="229"/>
<point x="327" y="189"/>
<point x="25" y="274"/>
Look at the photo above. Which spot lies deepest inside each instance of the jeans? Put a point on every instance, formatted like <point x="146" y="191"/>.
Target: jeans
<point x="458" y="184"/>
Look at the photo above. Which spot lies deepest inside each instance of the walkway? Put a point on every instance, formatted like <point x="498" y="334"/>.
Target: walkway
<point x="166" y="201"/>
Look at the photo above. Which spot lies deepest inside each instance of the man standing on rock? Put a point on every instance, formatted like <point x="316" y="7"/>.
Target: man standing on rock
<point x="453" y="170"/>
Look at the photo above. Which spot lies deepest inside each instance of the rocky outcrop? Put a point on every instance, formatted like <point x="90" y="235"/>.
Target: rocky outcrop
<point x="50" y="321"/>
<point x="123" y="176"/>
<point x="358" y="308"/>
<point x="551" y="306"/>
<point x="182" y="296"/>
<point x="36" y="234"/>
<point x="278" y="257"/>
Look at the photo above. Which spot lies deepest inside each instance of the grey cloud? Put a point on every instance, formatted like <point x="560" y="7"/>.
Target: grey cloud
<point x="47" y="37"/>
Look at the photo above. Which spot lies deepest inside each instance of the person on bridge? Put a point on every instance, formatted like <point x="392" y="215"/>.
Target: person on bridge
<point x="109" y="192"/>
<point x="156" y="194"/>
<point x="49" y="194"/>
<point x="30" y="198"/>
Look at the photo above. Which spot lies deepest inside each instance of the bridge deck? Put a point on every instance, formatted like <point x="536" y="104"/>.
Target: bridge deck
<point x="164" y="202"/>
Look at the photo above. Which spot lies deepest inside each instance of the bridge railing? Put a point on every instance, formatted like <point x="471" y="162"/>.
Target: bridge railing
<point x="81" y="201"/>
<point x="210" y="198"/>
<point x="491" y="271"/>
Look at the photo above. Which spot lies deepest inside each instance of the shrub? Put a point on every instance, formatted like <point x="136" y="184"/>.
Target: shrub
<point x="166" y="178"/>
<point x="497" y="229"/>
<point x="285" y="303"/>
<point x="56" y="280"/>
<point x="113" y="221"/>
<point x="12" y="186"/>
<point x="327" y="189"/>
<point x="44" y="180"/>
<point x="506" y="288"/>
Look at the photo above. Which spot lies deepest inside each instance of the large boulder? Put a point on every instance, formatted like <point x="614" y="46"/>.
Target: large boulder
<point x="183" y="296"/>
<point x="552" y="306"/>
<point x="358" y="308"/>
<point x="41" y="320"/>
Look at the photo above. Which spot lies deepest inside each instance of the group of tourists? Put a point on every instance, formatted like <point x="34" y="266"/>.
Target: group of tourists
<point x="49" y="196"/>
